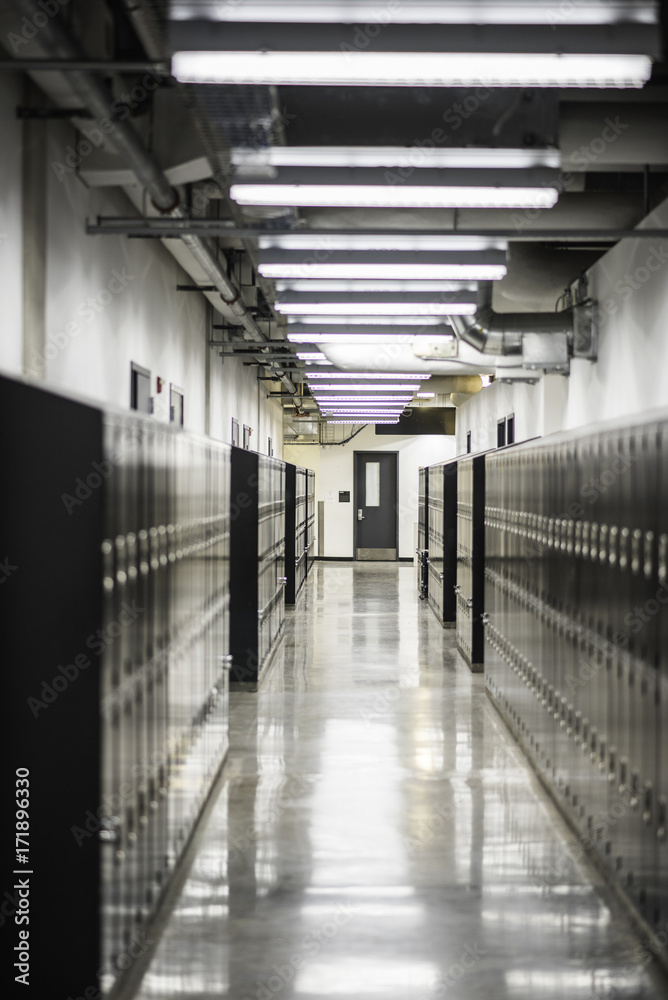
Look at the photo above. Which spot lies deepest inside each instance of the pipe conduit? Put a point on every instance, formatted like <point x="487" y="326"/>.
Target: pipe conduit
<point x="57" y="42"/>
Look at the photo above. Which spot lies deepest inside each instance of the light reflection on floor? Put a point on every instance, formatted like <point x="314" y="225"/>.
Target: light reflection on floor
<point x="378" y="834"/>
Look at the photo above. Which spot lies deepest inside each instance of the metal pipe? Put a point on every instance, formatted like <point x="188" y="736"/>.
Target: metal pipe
<point x="94" y="95"/>
<point x="501" y="333"/>
<point x="85" y="65"/>
<point x="152" y="226"/>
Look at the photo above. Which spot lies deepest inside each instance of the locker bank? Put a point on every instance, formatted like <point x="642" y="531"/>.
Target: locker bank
<point x="334" y="451"/>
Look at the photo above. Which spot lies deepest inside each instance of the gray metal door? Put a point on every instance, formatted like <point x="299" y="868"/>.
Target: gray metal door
<point x="375" y="505"/>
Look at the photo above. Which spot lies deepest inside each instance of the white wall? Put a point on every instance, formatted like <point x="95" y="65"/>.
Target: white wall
<point x="11" y="237"/>
<point x="111" y="301"/>
<point x="335" y="471"/>
<point x="538" y="410"/>
<point x="631" y="375"/>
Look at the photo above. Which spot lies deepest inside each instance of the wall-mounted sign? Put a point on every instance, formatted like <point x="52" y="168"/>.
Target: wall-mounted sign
<point x="344" y="496"/>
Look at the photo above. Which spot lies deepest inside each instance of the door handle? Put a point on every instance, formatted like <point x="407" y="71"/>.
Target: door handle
<point x="360" y="515"/>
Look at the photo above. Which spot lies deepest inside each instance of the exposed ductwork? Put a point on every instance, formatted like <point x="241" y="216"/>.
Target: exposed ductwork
<point x="57" y="42"/>
<point x="502" y="333"/>
<point x="540" y="341"/>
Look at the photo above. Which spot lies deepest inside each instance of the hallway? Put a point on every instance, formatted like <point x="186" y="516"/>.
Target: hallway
<point x="377" y="833"/>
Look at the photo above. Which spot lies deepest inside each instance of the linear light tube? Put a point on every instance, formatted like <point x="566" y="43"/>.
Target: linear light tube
<point x="364" y="408"/>
<point x="353" y="320"/>
<point x="312" y="356"/>
<point x="401" y="387"/>
<point x="366" y="399"/>
<point x="367" y="241"/>
<point x="362" y="421"/>
<point x="308" y="285"/>
<point x="462" y="272"/>
<point x="413" y="309"/>
<point x="386" y="196"/>
<point x="379" y="157"/>
<point x="373" y="375"/>
<point x="371" y="417"/>
<point x="412" y="69"/>
<point x="350" y="338"/>
<point x="418" y="11"/>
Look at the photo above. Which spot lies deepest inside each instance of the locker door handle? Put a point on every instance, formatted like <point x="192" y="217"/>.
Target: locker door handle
<point x="360" y="515"/>
<point x="661" y="821"/>
<point x="647" y="813"/>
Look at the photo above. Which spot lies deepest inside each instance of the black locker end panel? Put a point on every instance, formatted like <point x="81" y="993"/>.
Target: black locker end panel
<point x="449" y="544"/>
<point x="478" y="589"/>
<point x="290" y="527"/>
<point x="471" y="560"/>
<point x="50" y="549"/>
<point x="243" y="566"/>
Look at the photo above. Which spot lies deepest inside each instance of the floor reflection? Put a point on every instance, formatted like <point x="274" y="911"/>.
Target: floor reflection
<point x="377" y="833"/>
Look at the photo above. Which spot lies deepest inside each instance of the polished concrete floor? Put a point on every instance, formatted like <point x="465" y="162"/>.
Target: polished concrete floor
<point x="376" y="833"/>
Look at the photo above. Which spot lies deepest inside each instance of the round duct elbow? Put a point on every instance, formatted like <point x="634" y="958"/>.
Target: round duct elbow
<point x="459" y="398"/>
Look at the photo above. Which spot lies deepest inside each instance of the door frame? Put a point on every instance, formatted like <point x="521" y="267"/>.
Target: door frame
<point x="366" y="451"/>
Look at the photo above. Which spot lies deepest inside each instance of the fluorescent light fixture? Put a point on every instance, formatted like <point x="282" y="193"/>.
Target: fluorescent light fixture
<point x="327" y="321"/>
<point x="461" y="272"/>
<point x="413" y="309"/>
<point x="402" y="387"/>
<point x="312" y="356"/>
<point x="412" y="69"/>
<point x="387" y="196"/>
<point x="386" y="157"/>
<point x="349" y="338"/>
<point x="413" y="305"/>
<point x="362" y="421"/>
<point x="323" y="400"/>
<point x="359" y="375"/>
<point x="308" y="285"/>
<point x="417" y="12"/>
<point x="353" y="411"/>
<point x="401" y="265"/>
<point x="425" y="395"/>
<point x="349" y="270"/>
<point x="363" y="416"/>
<point x="368" y="241"/>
